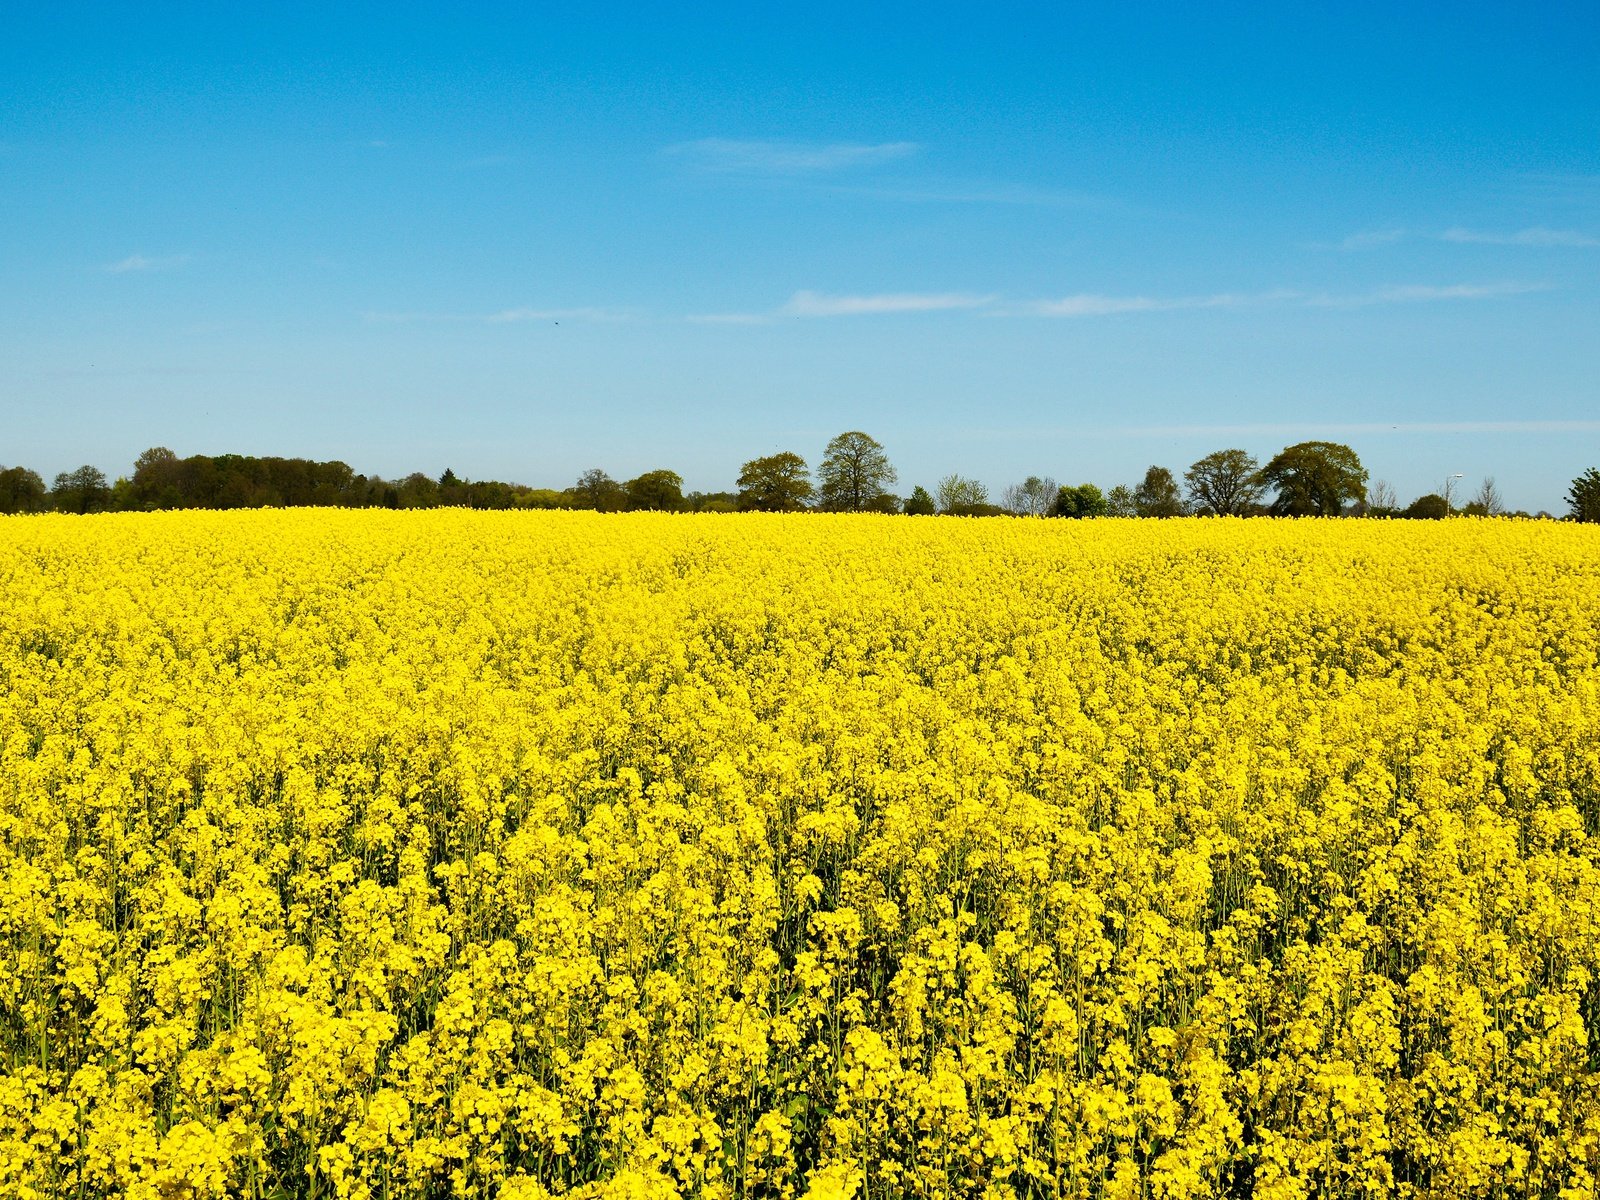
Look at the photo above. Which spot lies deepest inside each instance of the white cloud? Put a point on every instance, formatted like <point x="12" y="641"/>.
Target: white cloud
<point x="1536" y="236"/>
<point x="754" y="157"/>
<point x="730" y="318"/>
<point x="1413" y="292"/>
<point x="1088" y="304"/>
<point x="140" y="262"/>
<point x="940" y="192"/>
<point x="1091" y="304"/>
<point x="816" y="304"/>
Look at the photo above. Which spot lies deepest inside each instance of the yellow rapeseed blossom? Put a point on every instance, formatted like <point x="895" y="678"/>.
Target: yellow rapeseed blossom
<point x="377" y="855"/>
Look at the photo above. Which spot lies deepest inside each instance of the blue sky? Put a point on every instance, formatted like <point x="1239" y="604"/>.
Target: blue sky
<point x="1064" y="240"/>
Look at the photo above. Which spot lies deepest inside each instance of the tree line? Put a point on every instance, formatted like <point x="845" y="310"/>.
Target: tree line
<point x="854" y="475"/>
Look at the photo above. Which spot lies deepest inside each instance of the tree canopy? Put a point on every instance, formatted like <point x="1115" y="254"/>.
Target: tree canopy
<point x="1583" y="499"/>
<point x="1085" y="500"/>
<point x="855" y="475"/>
<point x="597" y="490"/>
<point x="1314" y="479"/>
<point x="1224" y="483"/>
<point x="776" y="483"/>
<point x="1432" y="507"/>
<point x="82" y="491"/>
<point x="655" y="491"/>
<point x="1033" y="497"/>
<point x="21" y="491"/>
<point x="961" y="497"/>
<point x="1157" y="495"/>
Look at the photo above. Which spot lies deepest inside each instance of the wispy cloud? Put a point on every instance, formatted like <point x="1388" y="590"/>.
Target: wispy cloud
<point x="736" y="156"/>
<point x="823" y="304"/>
<point x="1537" y="236"/>
<point x="141" y="262"/>
<point x="506" y="316"/>
<point x="818" y="304"/>
<point x="1094" y="304"/>
<point x="943" y="192"/>
<point x="1099" y="304"/>
<point x="1091" y="304"/>
<point x="1413" y="292"/>
<point x="730" y="318"/>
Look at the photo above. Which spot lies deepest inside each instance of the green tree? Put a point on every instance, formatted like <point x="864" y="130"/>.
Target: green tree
<point x="855" y="475"/>
<point x="776" y="483"/>
<point x="1432" y="507"/>
<point x="157" y="479"/>
<point x="656" y="491"/>
<point x="1085" y="500"/>
<point x="21" y="491"/>
<point x="1157" y="495"/>
<point x="541" y="498"/>
<point x="418" y="491"/>
<point x="920" y="503"/>
<point x="1119" y="502"/>
<point x="82" y="491"/>
<point x="1224" y="483"/>
<point x="597" y="490"/>
<point x="1314" y="479"/>
<point x="960" y="497"/>
<point x="1583" y="500"/>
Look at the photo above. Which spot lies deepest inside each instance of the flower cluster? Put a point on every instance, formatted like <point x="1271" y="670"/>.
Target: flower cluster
<point x="377" y="855"/>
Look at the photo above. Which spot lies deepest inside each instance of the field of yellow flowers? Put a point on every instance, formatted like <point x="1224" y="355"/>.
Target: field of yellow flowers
<point x="387" y="855"/>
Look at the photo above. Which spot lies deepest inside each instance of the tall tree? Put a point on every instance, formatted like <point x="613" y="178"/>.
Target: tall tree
<point x="776" y="483"/>
<point x="157" y="479"/>
<point x="1224" y="483"/>
<point x="82" y="491"/>
<point x="1119" y="502"/>
<point x="1486" y="502"/>
<point x="1315" y="479"/>
<point x="1157" y="495"/>
<point x="597" y="490"/>
<point x="21" y="490"/>
<point x="1382" y="500"/>
<point x="1583" y="500"/>
<point x="656" y="491"/>
<point x="855" y="474"/>
<point x="1085" y="500"/>
<point x="1033" y="497"/>
<point x="1432" y="507"/>
<point x="961" y="497"/>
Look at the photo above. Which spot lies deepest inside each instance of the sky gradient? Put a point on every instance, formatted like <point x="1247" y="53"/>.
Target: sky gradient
<point x="1010" y="241"/>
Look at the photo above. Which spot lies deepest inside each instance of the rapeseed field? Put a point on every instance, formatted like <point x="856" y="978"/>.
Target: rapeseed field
<point x="380" y="855"/>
